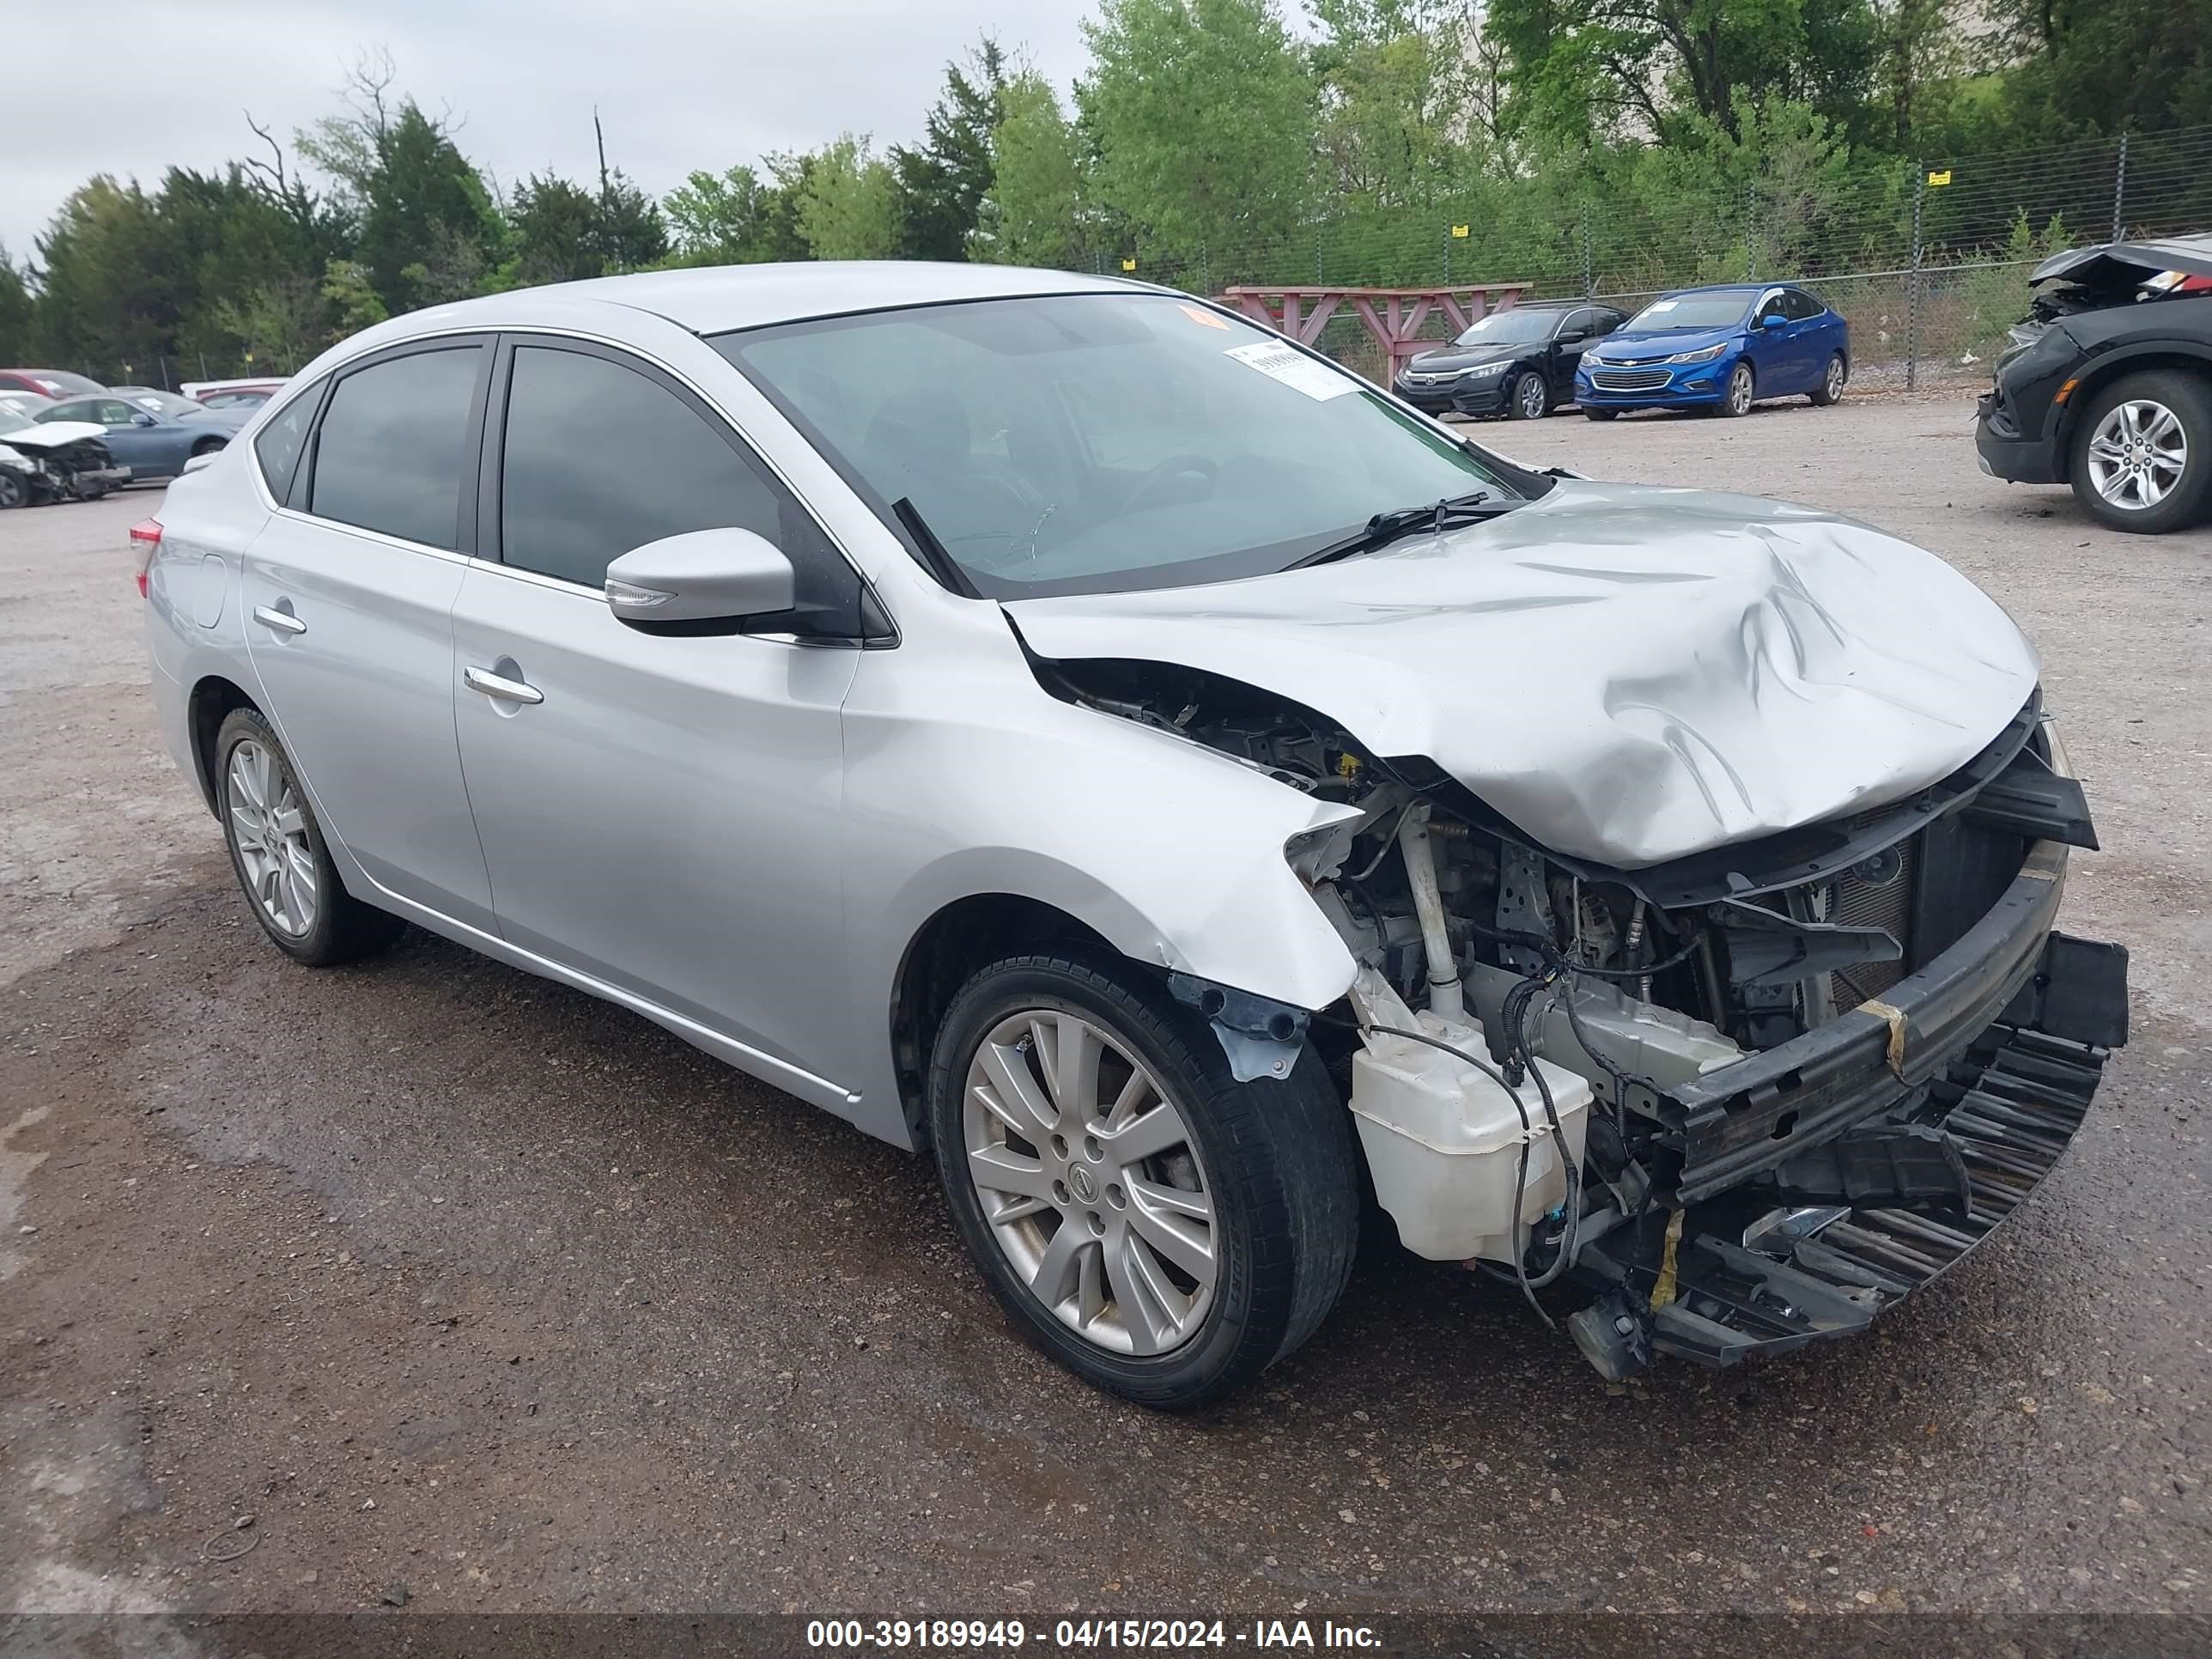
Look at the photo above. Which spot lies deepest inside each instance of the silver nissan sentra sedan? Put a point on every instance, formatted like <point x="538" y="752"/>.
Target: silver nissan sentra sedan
<point x="1059" y="725"/>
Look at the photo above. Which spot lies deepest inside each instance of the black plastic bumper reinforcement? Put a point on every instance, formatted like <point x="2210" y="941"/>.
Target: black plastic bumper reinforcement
<point x="1755" y="1271"/>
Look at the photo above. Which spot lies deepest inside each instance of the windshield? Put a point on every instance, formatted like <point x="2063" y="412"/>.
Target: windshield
<point x="1691" y="311"/>
<point x="1099" y="443"/>
<point x="1513" y="326"/>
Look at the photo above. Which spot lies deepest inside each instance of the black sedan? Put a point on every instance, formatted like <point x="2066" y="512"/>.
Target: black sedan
<point x="1519" y="361"/>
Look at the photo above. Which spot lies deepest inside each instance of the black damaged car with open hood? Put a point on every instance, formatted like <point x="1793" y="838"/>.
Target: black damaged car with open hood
<point x="2107" y="384"/>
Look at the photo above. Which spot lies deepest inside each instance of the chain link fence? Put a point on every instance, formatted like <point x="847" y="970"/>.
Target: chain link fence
<point x="1928" y="259"/>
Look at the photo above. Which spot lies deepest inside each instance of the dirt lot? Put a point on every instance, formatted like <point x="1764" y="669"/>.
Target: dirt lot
<point x="479" y="1294"/>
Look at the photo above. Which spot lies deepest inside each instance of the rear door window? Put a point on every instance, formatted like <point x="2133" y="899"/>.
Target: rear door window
<point x="392" y="452"/>
<point x="277" y="446"/>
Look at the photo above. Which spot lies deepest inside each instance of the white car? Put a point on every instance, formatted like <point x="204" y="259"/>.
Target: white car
<point x="1057" y="724"/>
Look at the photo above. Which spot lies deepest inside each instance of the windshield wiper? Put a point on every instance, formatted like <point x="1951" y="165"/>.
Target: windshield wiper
<point x="1386" y="527"/>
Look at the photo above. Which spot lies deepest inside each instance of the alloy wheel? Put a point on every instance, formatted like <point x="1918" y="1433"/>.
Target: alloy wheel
<point x="1532" y="396"/>
<point x="2137" y="454"/>
<point x="1835" y="383"/>
<point x="1739" y="390"/>
<point x="1090" y="1181"/>
<point x="267" y="825"/>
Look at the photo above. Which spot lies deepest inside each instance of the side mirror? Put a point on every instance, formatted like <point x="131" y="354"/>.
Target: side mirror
<point x="1772" y="321"/>
<point x="705" y="575"/>
<point x="140" y="417"/>
<point x="1574" y="336"/>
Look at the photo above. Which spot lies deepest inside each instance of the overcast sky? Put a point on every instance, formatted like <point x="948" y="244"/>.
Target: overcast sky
<point x="135" y="85"/>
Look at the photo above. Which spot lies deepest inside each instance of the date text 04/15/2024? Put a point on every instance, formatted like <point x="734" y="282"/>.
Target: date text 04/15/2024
<point x="1088" y="1634"/>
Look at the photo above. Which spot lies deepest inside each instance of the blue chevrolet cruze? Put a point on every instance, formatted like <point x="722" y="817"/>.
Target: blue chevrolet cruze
<point x="1717" y="349"/>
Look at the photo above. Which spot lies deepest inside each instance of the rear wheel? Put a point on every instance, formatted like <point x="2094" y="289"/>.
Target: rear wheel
<point x="1163" y="1231"/>
<point x="1736" y="399"/>
<point x="1530" y="397"/>
<point x="277" y="849"/>
<point x="2142" y="453"/>
<point x="1830" y="389"/>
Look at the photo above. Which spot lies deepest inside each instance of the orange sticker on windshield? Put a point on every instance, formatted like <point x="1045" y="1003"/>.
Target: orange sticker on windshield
<point x="1200" y="314"/>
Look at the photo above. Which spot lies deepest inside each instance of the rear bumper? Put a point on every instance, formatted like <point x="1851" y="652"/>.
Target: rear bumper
<point x="1998" y="1044"/>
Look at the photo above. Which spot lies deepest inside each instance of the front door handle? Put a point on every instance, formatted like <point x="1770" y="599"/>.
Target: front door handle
<point x="499" y="686"/>
<point x="283" y="622"/>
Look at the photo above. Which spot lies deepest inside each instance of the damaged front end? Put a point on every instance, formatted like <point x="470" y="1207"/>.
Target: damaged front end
<point x="1748" y="1099"/>
<point x="56" y="464"/>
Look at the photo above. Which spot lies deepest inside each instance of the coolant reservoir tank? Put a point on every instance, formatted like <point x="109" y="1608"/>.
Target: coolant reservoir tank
<point x="1444" y="1142"/>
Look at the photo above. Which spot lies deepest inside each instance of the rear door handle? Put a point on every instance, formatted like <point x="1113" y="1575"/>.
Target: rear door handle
<point x="499" y="686"/>
<point x="283" y="622"/>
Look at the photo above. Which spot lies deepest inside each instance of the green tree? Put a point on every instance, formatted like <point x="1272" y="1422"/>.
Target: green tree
<point x="428" y="230"/>
<point x="18" y="312"/>
<point x="2083" y="67"/>
<point x="113" y="289"/>
<point x="1397" y="78"/>
<point x="942" y="181"/>
<point x="847" y="203"/>
<point x="736" y="217"/>
<point x="1586" y="69"/>
<point x="553" y="228"/>
<point x="1203" y="119"/>
<point x="1033" y="214"/>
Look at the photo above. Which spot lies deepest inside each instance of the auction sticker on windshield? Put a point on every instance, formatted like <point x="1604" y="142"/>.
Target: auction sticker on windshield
<point x="1293" y="369"/>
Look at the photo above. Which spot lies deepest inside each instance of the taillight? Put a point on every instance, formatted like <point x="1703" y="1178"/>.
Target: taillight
<point x="146" y="541"/>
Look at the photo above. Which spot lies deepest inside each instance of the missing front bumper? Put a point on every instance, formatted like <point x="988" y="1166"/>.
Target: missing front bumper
<point x="1746" y="1271"/>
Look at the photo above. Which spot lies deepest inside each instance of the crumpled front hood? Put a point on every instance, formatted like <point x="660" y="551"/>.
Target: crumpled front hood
<point x="52" y="434"/>
<point x="1628" y="674"/>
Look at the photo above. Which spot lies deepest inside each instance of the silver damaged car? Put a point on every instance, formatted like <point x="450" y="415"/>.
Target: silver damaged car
<point x="1059" y="727"/>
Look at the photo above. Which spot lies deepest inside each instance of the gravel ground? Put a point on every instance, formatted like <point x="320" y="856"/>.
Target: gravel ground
<point x="477" y="1294"/>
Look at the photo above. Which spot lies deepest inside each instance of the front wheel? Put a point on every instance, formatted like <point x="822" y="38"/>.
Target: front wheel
<point x="1830" y="389"/>
<point x="277" y="849"/>
<point x="1530" y="398"/>
<point x="1161" y="1229"/>
<point x="14" y="491"/>
<point x="1735" y="401"/>
<point x="1599" y="414"/>
<point x="2142" y="453"/>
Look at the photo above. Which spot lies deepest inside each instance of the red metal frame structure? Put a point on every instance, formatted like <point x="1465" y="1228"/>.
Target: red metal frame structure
<point x="1394" y="316"/>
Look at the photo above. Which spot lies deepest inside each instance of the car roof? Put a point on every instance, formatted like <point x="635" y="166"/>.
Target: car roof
<point x="718" y="299"/>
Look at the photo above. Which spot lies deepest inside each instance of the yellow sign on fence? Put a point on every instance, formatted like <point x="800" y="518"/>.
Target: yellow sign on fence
<point x="1942" y="177"/>
<point x="1459" y="231"/>
<point x="1128" y="265"/>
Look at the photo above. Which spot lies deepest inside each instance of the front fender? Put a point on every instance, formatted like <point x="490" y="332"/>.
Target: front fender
<point x="964" y="778"/>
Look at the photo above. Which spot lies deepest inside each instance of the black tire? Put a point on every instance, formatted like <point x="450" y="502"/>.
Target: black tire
<point x="1734" y="404"/>
<point x="1599" y="414"/>
<point x="1834" y="377"/>
<point x="1278" y="1160"/>
<point x="207" y="446"/>
<point x="1529" y="398"/>
<point x="343" y="928"/>
<point x="14" y="491"/>
<point x="2188" y="499"/>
